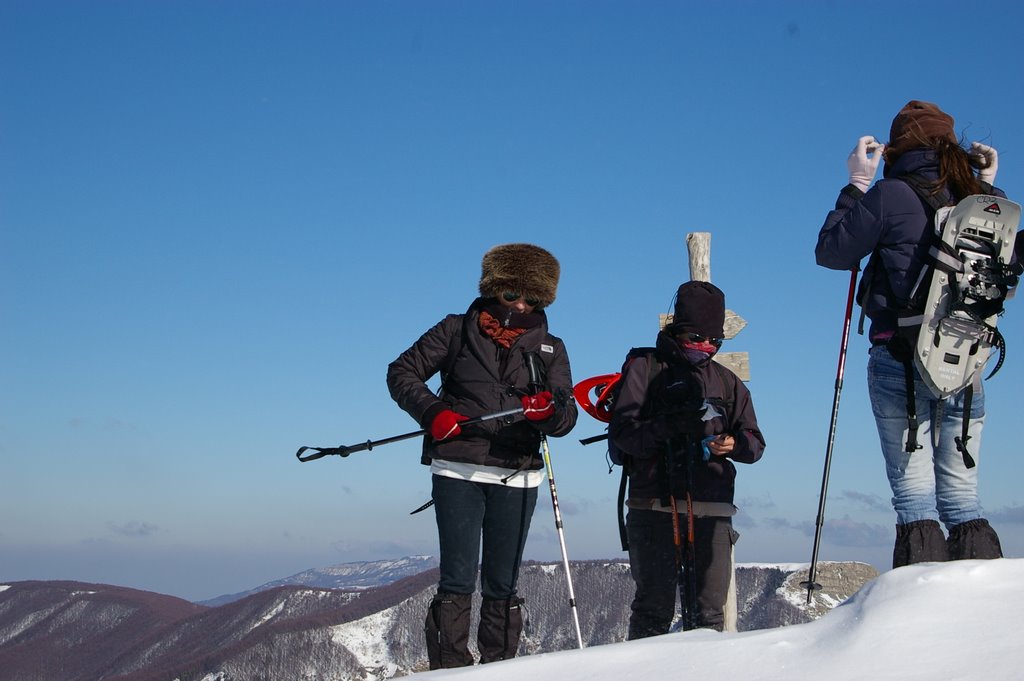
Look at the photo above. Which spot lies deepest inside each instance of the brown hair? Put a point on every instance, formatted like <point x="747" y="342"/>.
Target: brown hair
<point x="923" y="125"/>
<point x="956" y="170"/>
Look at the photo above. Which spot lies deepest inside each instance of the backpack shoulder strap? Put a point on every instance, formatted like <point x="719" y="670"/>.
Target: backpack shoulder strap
<point x="640" y="352"/>
<point x="455" y="343"/>
<point x="653" y="366"/>
<point x="925" y="191"/>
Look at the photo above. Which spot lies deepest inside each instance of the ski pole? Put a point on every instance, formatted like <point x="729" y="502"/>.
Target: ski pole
<point x="686" y="579"/>
<point x="820" y="520"/>
<point x="537" y="383"/>
<point x="345" y="450"/>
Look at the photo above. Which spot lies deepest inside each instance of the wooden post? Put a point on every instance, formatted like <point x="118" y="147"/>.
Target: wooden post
<point x="698" y="244"/>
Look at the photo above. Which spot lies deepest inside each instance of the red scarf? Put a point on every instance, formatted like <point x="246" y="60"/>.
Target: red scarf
<point x="504" y="336"/>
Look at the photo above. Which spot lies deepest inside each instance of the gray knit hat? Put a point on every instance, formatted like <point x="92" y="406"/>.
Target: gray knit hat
<point x="520" y="268"/>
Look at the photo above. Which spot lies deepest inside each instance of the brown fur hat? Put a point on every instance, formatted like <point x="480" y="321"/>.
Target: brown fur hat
<point x="521" y="268"/>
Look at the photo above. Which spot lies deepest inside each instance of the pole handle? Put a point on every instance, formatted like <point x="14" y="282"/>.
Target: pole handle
<point x="345" y="450"/>
<point x="533" y="369"/>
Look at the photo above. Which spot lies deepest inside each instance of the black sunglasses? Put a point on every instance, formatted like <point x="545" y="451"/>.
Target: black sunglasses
<point x="697" y="338"/>
<point x="513" y="296"/>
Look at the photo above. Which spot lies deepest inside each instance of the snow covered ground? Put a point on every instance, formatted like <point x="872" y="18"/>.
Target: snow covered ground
<point x="935" y="622"/>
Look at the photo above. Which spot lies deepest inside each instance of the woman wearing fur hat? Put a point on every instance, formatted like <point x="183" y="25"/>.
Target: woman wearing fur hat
<point x="681" y="420"/>
<point x="485" y="476"/>
<point x="892" y="223"/>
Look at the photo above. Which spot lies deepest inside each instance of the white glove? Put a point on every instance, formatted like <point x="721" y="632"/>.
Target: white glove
<point x="863" y="162"/>
<point x="986" y="156"/>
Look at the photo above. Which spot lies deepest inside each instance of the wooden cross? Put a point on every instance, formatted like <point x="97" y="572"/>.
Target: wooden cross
<point x="698" y="244"/>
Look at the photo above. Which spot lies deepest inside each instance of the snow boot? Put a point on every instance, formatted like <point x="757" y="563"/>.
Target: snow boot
<point x="921" y="541"/>
<point x="447" y="630"/>
<point x="973" y="539"/>
<point x="501" y="623"/>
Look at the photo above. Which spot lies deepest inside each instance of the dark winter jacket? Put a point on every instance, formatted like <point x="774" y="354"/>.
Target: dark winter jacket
<point x="889" y="222"/>
<point x="656" y="456"/>
<point x="483" y="378"/>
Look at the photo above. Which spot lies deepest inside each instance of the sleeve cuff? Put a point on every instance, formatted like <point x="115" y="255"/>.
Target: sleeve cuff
<point x="853" y="191"/>
<point x="431" y="413"/>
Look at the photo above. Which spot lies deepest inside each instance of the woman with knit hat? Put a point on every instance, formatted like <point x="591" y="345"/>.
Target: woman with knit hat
<point x="681" y="419"/>
<point x="892" y="223"/>
<point x="485" y="476"/>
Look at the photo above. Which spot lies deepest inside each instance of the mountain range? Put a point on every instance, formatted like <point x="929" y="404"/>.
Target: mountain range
<point x="363" y="627"/>
<point x="347" y="576"/>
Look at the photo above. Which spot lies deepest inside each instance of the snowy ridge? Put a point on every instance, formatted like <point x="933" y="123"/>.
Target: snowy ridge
<point x="294" y="632"/>
<point x="948" y="621"/>
<point x="367" y="639"/>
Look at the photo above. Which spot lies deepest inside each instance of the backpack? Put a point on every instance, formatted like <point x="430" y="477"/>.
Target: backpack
<point x="605" y="390"/>
<point x="948" y="327"/>
<point x="597" y="396"/>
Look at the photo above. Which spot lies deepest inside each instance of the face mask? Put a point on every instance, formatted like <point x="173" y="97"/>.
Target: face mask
<point x="695" y="356"/>
<point x="696" y="353"/>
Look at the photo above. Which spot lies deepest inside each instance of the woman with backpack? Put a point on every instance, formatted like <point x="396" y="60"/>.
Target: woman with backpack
<point x="679" y="421"/>
<point x="485" y="475"/>
<point x="893" y="224"/>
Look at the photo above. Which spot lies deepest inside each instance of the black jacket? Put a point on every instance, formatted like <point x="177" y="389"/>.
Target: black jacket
<point x="657" y="457"/>
<point x="483" y="378"/>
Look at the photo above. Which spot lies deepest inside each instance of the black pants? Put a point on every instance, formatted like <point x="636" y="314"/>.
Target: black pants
<point x="468" y="511"/>
<point x="653" y="564"/>
<point x="465" y="512"/>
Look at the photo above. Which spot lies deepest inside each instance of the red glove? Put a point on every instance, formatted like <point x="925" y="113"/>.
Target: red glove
<point x="538" y="407"/>
<point x="446" y="425"/>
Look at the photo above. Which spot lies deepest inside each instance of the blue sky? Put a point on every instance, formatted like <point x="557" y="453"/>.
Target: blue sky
<point x="219" y="221"/>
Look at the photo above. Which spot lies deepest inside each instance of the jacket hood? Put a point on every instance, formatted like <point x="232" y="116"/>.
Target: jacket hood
<point x="924" y="162"/>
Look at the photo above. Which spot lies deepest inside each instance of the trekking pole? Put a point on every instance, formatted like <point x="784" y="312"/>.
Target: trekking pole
<point x="536" y="383"/>
<point x="690" y="556"/>
<point x="345" y="450"/>
<point x="820" y="520"/>
<point x="686" y="580"/>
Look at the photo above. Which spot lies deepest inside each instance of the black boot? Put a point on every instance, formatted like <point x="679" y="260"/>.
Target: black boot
<point x="921" y="541"/>
<point x="447" y="630"/>
<point x="501" y="623"/>
<point x="974" y="539"/>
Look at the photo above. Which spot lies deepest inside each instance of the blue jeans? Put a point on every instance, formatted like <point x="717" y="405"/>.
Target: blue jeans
<point x="465" y="511"/>
<point x="930" y="483"/>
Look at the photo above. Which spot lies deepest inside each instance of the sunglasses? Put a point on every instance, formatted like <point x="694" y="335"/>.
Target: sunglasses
<point x="697" y="338"/>
<point x="513" y="296"/>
